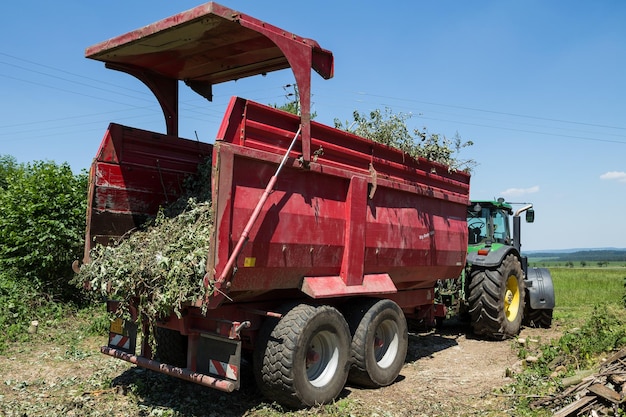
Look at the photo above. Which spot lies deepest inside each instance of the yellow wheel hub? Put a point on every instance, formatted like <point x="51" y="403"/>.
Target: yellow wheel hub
<point x="511" y="298"/>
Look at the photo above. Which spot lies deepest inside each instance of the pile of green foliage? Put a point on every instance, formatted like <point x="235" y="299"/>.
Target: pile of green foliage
<point x="162" y="265"/>
<point x="391" y="129"/>
<point x="42" y="226"/>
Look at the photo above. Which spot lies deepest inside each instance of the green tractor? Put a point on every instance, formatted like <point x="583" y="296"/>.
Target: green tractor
<point x="497" y="291"/>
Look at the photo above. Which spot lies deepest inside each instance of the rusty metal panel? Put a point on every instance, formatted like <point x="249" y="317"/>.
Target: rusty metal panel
<point x="133" y="174"/>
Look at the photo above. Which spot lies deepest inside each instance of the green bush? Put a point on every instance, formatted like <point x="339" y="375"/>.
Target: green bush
<point x="16" y="310"/>
<point x="23" y="303"/>
<point x="603" y="332"/>
<point x="42" y="224"/>
<point x="8" y="165"/>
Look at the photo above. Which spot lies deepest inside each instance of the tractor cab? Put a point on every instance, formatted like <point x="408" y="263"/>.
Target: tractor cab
<point x="488" y="223"/>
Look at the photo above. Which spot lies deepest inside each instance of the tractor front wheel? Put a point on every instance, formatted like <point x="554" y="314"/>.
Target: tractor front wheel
<point x="496" y="299"/>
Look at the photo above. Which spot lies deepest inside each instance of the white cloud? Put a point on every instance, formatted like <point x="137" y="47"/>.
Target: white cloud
<point x="517" y="192"/>
<point x="614" y="176"/>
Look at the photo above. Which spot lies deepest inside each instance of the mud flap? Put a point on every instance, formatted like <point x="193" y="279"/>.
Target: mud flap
<point x="219" y="357"/>
<point x="123" y="335"/>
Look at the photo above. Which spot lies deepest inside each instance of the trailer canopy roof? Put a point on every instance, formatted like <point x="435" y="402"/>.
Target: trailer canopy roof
<point x="209" y="43"/>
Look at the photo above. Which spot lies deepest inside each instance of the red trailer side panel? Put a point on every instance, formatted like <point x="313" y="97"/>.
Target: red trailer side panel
<point x="363" y="214"/>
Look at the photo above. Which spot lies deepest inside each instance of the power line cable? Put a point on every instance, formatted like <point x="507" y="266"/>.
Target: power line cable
<point x="64" y="90"/>
<point x="194" y="109"/>
<point x="533" y="132"/>
<point x="422" y="114"/>
<point x="495" y="112"/>
<point x="72" y="73"/>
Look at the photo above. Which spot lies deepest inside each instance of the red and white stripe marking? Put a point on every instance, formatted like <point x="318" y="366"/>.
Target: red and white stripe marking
<point x="117" y="340"/>
<point x="223" y="369"/>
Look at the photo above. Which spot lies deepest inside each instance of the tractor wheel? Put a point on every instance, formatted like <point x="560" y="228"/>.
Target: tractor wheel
<point x="171" y="347"/>
<point x="379" y="342"/>
<point x="496" y="299"/>
<point x="538" y="318"/>
<point x="303" y="358"/>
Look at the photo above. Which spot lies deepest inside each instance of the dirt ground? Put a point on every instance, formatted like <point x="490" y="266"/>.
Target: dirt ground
<point x="447" y="373"/>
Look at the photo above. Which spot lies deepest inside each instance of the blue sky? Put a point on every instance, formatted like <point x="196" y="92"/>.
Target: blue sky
<point x="538" y="86"/>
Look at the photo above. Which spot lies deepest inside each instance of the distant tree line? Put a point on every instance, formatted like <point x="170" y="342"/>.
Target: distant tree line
<point x="588" y="257"/>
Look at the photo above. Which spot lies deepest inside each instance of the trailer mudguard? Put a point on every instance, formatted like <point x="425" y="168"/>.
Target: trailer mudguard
<point x="540" y="288"/>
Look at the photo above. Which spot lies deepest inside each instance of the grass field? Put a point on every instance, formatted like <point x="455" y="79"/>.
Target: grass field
<point x="578" y="290"/>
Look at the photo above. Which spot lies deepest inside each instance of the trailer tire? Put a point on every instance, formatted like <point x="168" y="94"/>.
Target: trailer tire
<point x="303" y="358"/>
<point x="538" y="318"/>
<point x="171" y="347"/>
<point x="379" y="342"/>
<point x="496" y="299"/>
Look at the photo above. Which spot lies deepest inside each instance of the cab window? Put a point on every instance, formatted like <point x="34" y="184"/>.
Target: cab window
<point x="501" y="227"/>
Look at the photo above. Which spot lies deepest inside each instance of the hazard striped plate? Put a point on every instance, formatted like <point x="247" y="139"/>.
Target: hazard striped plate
<point x="122" y="335"/>
<point x="223" y="369"/>
<point x="119" y="341"/>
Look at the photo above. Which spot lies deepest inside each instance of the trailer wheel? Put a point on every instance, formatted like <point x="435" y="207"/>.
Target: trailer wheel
<point x="171" y="347"/>
<point x="538" y="318"/>
<point x="302" y="359"/>
<point x="379" y="342"/>
<point x="496" y="299"/>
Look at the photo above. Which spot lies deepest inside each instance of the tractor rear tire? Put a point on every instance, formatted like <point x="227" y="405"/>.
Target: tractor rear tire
<point x="303" y="358"/>
<point x="379" y="342"/>
<point x="496" y="299"/>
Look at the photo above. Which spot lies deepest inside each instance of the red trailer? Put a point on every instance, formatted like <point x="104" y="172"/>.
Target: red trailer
<point x="323" y="241"/>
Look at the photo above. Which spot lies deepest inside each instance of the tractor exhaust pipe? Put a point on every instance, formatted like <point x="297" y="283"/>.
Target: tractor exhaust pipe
<point x="517" y="228"/>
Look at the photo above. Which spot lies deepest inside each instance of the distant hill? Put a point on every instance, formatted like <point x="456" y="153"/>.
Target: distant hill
<point x="577" y="255"/>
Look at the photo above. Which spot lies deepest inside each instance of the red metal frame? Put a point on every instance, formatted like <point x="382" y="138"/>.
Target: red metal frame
<point x="181" y="373"/>
<point x="333" y="230"/>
